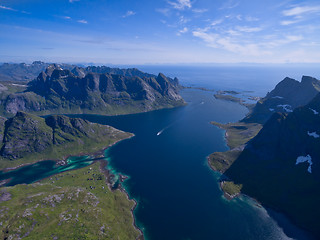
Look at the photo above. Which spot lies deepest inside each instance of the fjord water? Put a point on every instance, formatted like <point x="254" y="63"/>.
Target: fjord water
<point x="34" y="172"/>
<point x="177" y="193"/>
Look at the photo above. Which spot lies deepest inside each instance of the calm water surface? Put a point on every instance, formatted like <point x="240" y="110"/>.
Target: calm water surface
<point x="178" y="195"/>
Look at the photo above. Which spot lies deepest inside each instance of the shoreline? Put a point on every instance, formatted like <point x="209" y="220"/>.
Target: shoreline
<point x="102" y="165"/>
<point x="103" y="168"/>
<point x="260" y="204"/>
<point x="62" y="161"/>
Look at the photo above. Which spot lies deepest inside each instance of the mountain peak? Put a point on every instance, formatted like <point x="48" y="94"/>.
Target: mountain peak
<point x="286" y="96"/>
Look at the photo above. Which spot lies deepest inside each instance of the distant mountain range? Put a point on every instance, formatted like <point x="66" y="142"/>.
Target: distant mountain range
<point x="285" y="97"/>
<point x="27" y="72"/>
<point x="280" y="166"/>
<point x="95" y="90"/>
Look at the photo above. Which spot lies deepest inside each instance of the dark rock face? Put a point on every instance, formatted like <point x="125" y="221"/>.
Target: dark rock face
<point x="25" y="72"/>
<point x="268" y="167"/>
<point x="285" y="97"/>
<point x="26" y="134"/>
<point x="61" y="91"/>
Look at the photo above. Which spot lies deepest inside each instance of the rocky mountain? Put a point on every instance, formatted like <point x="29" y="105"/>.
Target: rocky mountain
<point x="25" y="72"/>
<point x="59" y="90"/>
<point x="25" y="135"/>
<point x="128" y="72"/>
<point x="28" y="72"/>
<point x="280" y="167"/>
<point x="285" y="97"/>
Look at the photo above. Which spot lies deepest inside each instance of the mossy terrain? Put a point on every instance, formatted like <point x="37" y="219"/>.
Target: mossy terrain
<point x="228" y="97"/>
<point x="230" y="188"/>
<point x="28" y="138"/>
<point x="70" y="205"/>
<point x="237" y="135"/>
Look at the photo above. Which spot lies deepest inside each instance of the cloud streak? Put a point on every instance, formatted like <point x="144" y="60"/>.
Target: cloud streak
<point x="182" y="31"/>
<point x="83" y="21"/>
<point x="298" y="11"/>
<point x="12" y="9"/>
<point x="129" y="13"/>
<point x="181" y="4"/>
<point x="8" y="8"/>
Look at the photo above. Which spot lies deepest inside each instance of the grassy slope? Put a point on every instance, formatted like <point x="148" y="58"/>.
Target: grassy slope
<point x="102" y="137"/>
<point x="67" y="206"/>
<point x="237" y="135"/>
<point x="230" y="188"/>
<point x="228" y="98"/>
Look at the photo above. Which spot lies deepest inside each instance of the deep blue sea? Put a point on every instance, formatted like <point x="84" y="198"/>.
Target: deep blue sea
<point x="178" y="194"/>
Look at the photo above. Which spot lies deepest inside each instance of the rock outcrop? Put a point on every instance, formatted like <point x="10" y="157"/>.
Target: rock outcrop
<point x="26" y="134"/>
<point x="59" y="90"/>
<point x="285" y="97"/>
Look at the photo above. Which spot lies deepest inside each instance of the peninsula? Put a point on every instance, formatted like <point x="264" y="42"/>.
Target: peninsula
<point x="275" y="151"/>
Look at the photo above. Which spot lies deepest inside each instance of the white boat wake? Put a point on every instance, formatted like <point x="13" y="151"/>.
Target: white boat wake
<point x="159" y="132"/>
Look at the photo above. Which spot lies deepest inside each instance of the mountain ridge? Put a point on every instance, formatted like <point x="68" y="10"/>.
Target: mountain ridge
<point x="27" y="137"/>
<point x="286" y="96"/>
<point x="280" y="166"/>
<point x="59" y="91"/>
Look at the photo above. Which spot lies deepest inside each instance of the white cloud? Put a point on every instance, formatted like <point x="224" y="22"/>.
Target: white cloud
<point x="66" y="17"/>
<point x="71" y="1"/>
<point x="236" y="40"/>
<point x="198" y="10"/>
<point x="251" y="19"/>
<point x="282" y="41"/>
<point x="298" y="11"/>
<point x="82" y="21"/>
<point x="229" y="44"/>
<point x="129" y="13"/>
<point x="216" y="22"/>
<point x="239" y="17"/>
<point x="233" y="32"/>
<point x="229" y="5"/>
<point x="8" y="8"/>
<point x="289" y="22"/>
<point x="248" y="29"/>
<point x="181" y="4"/>
<point x="184" y="30"/>
<point x="12" y="9"/>
<point x="183" y="20"/>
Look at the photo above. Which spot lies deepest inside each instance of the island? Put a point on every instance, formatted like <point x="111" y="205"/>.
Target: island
<point x="232" y="96"/>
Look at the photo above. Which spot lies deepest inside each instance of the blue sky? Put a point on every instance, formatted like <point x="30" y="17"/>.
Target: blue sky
<point x="160" y="31"/>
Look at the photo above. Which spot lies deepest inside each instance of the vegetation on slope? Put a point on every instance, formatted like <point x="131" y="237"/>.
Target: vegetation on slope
<point x="70" y="205"/>
<point x="237" y="135"/>
<point x="28" y="138"/>
<point x="59" y="91"/>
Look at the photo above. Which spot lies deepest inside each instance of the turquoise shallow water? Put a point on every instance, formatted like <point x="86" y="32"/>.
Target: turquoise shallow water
<point x="178" y="195"/>
<point x="34" y="172"/>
